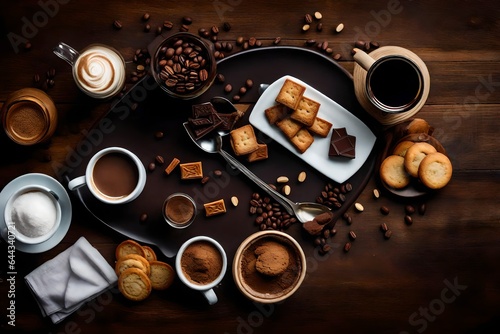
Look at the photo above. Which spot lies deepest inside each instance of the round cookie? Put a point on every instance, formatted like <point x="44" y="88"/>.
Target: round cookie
<point x="418" y="125"/>
<point x="272" y="259"/>
<point x="134" y="284"/>
<point x="435" y="170"/>
<point x="402" y="147"/>
<point x="132" y="261"/>
<point x="414" y="156"/>
<point x="129" y="247"/>
<point x="393" y="173"/>
<point x="149" y="253"/>
<point x="161" y="276"/>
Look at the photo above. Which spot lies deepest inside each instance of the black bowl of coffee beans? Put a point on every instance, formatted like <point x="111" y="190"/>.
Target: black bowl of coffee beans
<point x="184" y="65"/>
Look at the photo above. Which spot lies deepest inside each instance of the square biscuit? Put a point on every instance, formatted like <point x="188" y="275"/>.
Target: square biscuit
<point x="306" y="111"/>
<point x="276" y="113"/>
<point x="289" y="126"/>
<point x="243" y="140"/>
<point x="302" y="140"/>
<point x="258" y="154"/>
<point x="290" y="94"/>
<point x="320" y="127"/>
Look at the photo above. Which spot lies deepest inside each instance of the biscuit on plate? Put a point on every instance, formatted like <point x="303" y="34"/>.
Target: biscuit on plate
<point x="302" y="140"/>
<point x="276" y="113"/>
<point x="320" y="127"/>
<point x="243" y="140"/>
<point x="134" y="284"/>
<point x="132" y="261"/>
<point x="435" y="170"/>
<point x="393" y="173"/>
<point x="161" y="276"/>
<point x="129" y="247"/>
<point x="402" y="147"/>
<point x="289" y="127"/>
<point x="290" y="94"/>
<point x="306" y="111"/>
<point x="414" y="156"/>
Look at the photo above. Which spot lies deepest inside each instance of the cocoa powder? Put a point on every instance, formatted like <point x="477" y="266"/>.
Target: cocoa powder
<point x="201" y="262"/>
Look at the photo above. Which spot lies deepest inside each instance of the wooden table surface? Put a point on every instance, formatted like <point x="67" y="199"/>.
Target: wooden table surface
<point x="439" y="275"/>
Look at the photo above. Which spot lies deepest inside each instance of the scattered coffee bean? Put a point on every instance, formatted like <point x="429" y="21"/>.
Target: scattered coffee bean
<point x="158" y="30"/>
<point x="319" y="27"/>
<point x="249" y="83"/>
<point x="240" y="40"/>
<point x="347" y="247"/>
<point x="409" y="209"/>
<point x="167" y="25"/>
<point x="219" y="78"/>
<point x="242" y="90"/>
<point x="277" y="40"/>
<point x="218" y="172"/>
<point x="36" y="78"/>
<point x="310" y="42"/>
<point x="159" y="134"/>
<point x="388" y="234"/>
<point x="236" y="98"/>
<point x="143" y="218"/>
<point x="214" y="30"/>
<point x="205" y="179"/>
<point x="187" y="20"/>
<point x="337" y="56"/>
<point x="226" y="26"/>
<point x="352" y="235"/>
<point x="408" y="220"/>
<point x="384" y="227"/>
<point x="146" y="17"/>
<point x="27" y="46"/>
<point x="147" y="27"/>
<point x="151" y="166"/>
<point x="308" y="18"/>
<point x="184" y="28"/>
<point x="333" y="231"/>
<point x="384" y="210"/>
<point x="228" y="88"/>
<point x="159" y="160"/>
<point x="117" y="24"/>
<point x="374" y="45"/>
<point x="421" y="209"/>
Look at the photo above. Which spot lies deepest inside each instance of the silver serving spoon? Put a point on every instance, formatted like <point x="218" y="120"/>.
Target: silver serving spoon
<point x="304" y="211"/>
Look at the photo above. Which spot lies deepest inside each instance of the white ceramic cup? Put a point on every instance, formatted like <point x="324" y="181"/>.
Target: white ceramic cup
<point x="50" y="197"/>
<point x="206" y="289"/>
<point x="88" y="178"/>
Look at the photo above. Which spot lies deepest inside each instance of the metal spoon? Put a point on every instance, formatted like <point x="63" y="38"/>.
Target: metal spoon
<point x="304" y="211"/>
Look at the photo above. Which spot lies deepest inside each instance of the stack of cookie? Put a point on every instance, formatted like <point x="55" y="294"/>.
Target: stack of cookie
<point x="416" y="155"/>
<point x="139" y="271"/>
<point x="244" y="143"/>
<point x="297" y="116"/>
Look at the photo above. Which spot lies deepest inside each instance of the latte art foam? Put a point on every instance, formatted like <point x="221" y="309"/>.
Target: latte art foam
<point x="100" y="71"/>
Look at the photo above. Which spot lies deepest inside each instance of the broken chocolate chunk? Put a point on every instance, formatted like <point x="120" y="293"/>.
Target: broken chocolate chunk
<point x="342" y="144"/>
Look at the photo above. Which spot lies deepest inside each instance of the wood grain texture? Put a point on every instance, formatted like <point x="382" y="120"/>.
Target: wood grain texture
<point x="439" y="275"/>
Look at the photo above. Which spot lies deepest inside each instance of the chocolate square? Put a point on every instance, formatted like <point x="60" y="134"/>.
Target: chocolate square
<point x="342" y="144"/>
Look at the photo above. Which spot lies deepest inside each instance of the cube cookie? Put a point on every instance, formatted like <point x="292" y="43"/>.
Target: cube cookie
<point x="243" y="140"/>
<point x="320" y="127"/>
<point x="306" y="111"/>
<point x="290" y="94"/>
<point x="302" y="140"/>
<point x="289" y="126"/>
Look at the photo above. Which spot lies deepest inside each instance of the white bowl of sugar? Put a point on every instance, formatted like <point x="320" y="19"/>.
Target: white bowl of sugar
<point x="33" y="214"/>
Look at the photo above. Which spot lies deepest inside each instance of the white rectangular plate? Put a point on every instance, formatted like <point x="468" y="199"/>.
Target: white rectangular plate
<point x="339" y="169"/>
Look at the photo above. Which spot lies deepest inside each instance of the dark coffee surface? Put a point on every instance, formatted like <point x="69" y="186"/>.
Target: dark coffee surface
<point x="395" y="82"/>
<point x="115" y="175"/>
<point x="26" y="121"/>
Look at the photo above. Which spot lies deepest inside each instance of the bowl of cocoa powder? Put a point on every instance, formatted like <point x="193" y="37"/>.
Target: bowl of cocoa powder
<point x="184" y="65"/>
<point x="269" y="266"/>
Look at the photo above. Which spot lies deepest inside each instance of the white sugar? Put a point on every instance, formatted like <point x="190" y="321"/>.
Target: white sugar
<point x="33" y="214"/>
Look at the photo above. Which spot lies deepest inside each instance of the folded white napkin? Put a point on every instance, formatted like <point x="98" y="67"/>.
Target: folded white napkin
<point x="64" y="283"/>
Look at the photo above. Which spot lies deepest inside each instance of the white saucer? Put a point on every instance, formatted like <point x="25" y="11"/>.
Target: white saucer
<point x="64" y="201"/>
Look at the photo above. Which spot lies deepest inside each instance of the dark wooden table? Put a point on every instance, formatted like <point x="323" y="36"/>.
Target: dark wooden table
<point x="439" y="275"/>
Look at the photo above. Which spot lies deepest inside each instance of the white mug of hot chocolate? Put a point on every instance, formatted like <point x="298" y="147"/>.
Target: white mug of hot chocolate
<point x="98" y="70"/>
<point x="201" y="263"/>
<point x="33" y="214"/>
<point x="113" y="175"/>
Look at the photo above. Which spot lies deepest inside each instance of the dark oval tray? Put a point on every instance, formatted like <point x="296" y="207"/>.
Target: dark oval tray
<point x="134" y="128"/>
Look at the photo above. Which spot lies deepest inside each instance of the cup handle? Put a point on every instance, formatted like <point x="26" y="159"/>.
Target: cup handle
<point x="76" y="182"/>
<point x="363" y="59"/>
<point x="66" y="52"/>
<point x="210" y="296"/>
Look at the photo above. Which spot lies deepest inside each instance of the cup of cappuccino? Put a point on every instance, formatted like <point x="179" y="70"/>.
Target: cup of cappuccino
<point x="113" y="175"/>
<point x="98" y="70"/>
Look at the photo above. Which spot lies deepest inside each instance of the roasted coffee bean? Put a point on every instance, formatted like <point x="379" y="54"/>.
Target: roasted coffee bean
<point x="352" y="235"/>
<point x="240" y="40"/>
<point x="146" y="17"/>
<point x="347" y="247"/>
<point x="205" y="179"/>
<point x="226" y="26"/>
<point x="143" y="218"/>
<point x="36" y="78"/>
<point x="409" y="209"/>
<point x="151" y="166"/>
<point x="218" y="172"/>
<point x="187" y="20"/>
<point x="319" y="27"/>
<point x="228" y="88"/>
<point x="385" y="210"/>
<point x="159" y="160"/>
<point x="308" y="18"/>
<point x="214" y="30"/>
<point x="219" y="78"/>
<point x="421" y="209"/>
<point x="326" y="248"/>
<point x="167" y="25"/>
<point x="310" y="42"/>
<point x="147" y="28"/>
<point x="159" y="134"/>
<point x="374" y="45"/>
<point x="359" y="44"/>
<point x="384" y="227"/>
<point x="277" y="40"/>
<point x="337" y="56"/>
<point x="236" y="98"/>
<point x="242" y="91"/>
<point x="408" y="220"/>
<point x="27" y="46"/>
<point x="348" y="187"/>
<point x="117" y="24"/>
<point x="249" y="83"/>
<point x="388" y="234"/>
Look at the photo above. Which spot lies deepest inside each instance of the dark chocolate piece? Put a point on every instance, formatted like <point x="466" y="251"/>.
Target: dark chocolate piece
<point x="203" y="110"/>
<point x="200" y="122"/>
<point x="228" y="121"/>
<point x="342" y="144"/>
